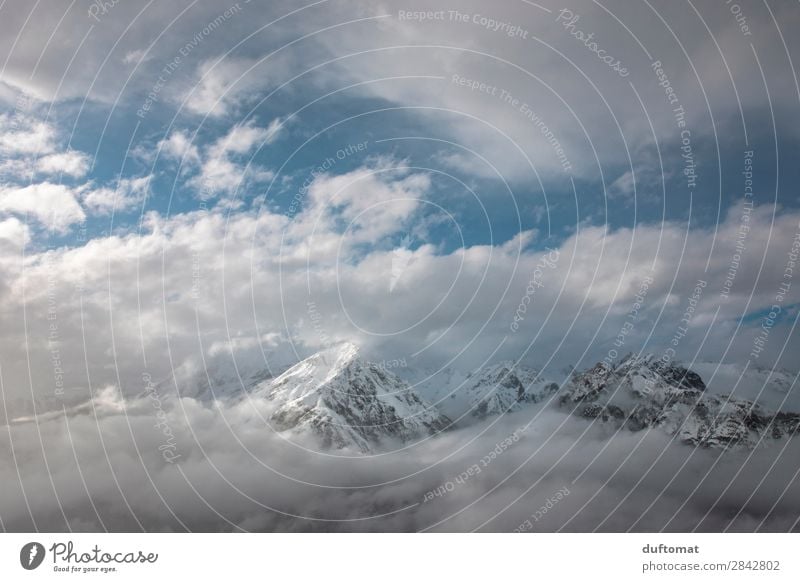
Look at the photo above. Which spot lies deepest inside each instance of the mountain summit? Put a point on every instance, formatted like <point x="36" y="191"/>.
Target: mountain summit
<point x="349" y="402"/>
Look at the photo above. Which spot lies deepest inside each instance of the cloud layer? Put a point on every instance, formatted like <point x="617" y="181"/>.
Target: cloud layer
<point x="231" y="472"/>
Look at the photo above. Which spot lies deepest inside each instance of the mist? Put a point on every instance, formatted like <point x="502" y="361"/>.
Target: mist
<point x="539" y="469"/>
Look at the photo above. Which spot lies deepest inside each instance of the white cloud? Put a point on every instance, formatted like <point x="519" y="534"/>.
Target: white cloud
<point x="71" y="163"/>
<point x="16" y="169"/>
<point x="128" y="193"/>
<point x="363" y="206"/>
<point x="31" y="147"/>
<point x="242" y="138"/>
<point x="592" y="111"/>
<point x="219" y="87"/>
<point x="178" y="146"/>
<point x="622" y="186"/>
<point x="221" y="172"/>
<point x="53" y="205"/>
<point x="14" y="231"/>
<point x="135" y="56"/>
<point x="222" y="83"/>
<point x="21" y="134"/>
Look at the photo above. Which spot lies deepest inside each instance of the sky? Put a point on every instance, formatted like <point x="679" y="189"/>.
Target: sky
<point x="205" y="189"/>
<point x="200" y="180"/>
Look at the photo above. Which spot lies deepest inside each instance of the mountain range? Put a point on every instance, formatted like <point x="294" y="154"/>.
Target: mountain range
<point x="345" y="401"/>
<point x="338" y="400"/>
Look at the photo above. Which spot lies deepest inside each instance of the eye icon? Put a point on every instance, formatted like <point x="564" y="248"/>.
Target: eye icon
<point x="31" y="555"/>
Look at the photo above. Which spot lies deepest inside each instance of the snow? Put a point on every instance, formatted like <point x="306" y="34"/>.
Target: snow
<point x="486" y="391"/>
<point x="650" y="393"/>
<point x="349" y="402"/>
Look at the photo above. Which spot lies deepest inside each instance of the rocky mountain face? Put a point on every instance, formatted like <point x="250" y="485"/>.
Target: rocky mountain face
<point x="346" y="401"/>
<point x="505" y="387"/>
<point x="642" y="392"/>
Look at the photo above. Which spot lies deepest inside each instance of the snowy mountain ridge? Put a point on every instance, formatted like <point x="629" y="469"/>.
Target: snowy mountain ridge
<point x="348" y="402"/>
<point x="642" y="392"/>
<point x="342" y="401"/>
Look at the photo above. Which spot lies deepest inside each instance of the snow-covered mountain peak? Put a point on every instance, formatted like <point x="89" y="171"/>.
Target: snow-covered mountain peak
<point x="349" y="402"/>
<point x="335" y="358"/>
<point x="340" y="354"/>
<point x="319" y="369"/>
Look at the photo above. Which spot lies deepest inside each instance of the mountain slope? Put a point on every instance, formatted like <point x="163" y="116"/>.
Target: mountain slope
<point x="489" y="390"/>
<point x="504" y="387"/>
<point x="348" y="402"/>
<point x="642" y="392"/>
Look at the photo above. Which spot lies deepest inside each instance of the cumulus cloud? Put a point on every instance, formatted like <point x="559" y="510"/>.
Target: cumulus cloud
<point x="178" y="146"/>
<point x="71" y="163"/>
<point x="53" y="205"/>
<point x="244" y="137"/>
<point x="20" y="133"/>
<point x="32" y="152"/>
<point x="128" y="193"/>
<point x="221" y="169"/>
<point x="368" y="203"/>
<point x="14" y="231"/>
